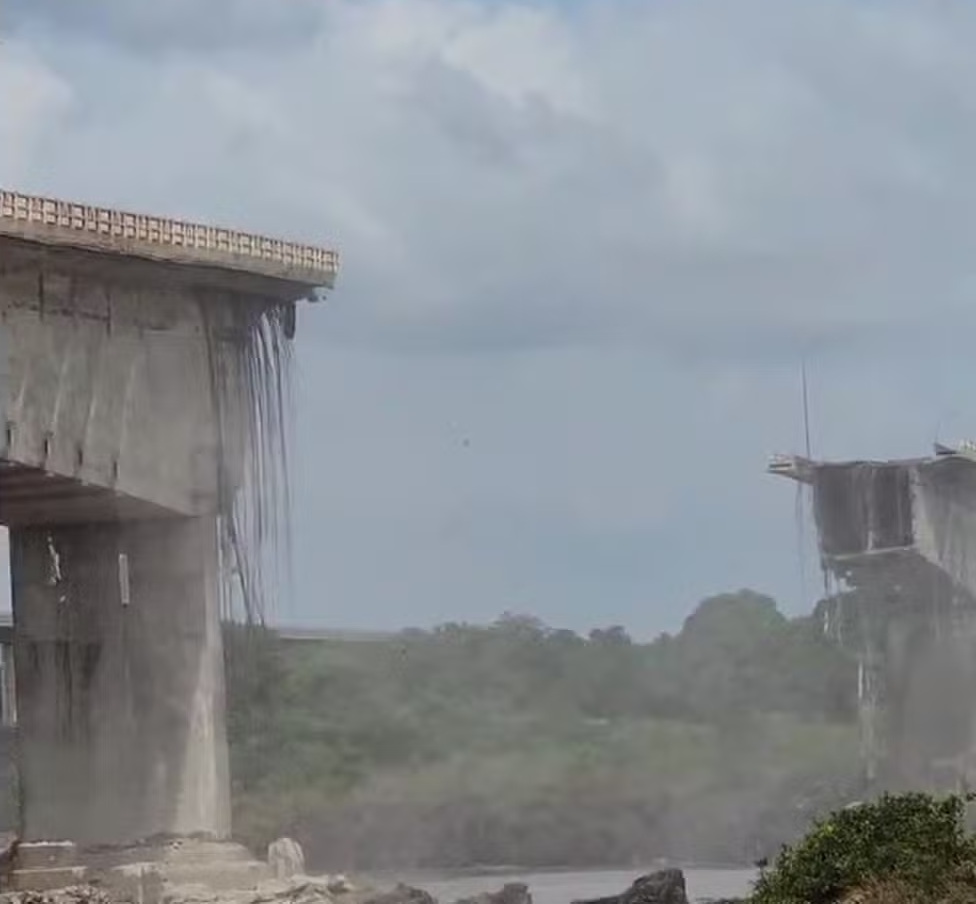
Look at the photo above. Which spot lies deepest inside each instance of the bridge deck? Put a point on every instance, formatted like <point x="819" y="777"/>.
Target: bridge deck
<point x="48" y="221"/>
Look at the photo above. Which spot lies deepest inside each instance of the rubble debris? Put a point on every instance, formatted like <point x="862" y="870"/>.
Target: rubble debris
<point x="75" y="894"/>
<point x="286" y="858"/>
<point x="301" y="890"/>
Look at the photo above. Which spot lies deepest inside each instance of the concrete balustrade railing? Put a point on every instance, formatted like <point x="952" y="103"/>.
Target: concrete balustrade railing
<point x="208" y="241"/>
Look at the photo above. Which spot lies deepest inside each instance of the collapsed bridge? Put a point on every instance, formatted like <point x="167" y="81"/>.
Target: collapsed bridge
<point x="143" y="404"/>
<point x="898" y="539"/>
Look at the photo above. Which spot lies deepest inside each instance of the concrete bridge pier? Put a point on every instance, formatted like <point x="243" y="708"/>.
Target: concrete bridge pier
<point x="120" y="681"/>
<point x="900" y="539"/>
<point x="142" y="361"/>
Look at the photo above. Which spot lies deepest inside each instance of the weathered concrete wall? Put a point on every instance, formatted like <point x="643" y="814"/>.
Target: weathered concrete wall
<point x="904" y="533"/>
<point x="136" y="397"/>
<point x="945" y="519"/>
<point x="927" y="508"/>
<point x="107" y="383"/>
<point x="120" y="681"/>
<point x="9" y="793"/>
<point x="863" y="507"/>
<point x="930" y="674"/>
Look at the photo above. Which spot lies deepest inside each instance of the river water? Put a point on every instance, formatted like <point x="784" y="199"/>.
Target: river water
<point x="563" y="887"/>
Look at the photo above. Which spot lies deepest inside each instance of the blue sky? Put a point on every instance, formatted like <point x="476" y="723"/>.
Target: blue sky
<point x="586" y="248"/>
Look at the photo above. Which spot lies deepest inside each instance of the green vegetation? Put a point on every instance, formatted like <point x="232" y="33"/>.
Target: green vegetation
<point x="520" y="743"/>
<point x="898" y="849"/>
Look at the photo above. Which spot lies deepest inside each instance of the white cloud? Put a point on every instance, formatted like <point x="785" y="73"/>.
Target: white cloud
<point x="599" y="235"/>
<point x="477" y="158"/>
<point x="32" y="99"/>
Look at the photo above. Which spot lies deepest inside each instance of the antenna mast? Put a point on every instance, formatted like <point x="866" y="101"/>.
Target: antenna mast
<point x="806" y="408"/>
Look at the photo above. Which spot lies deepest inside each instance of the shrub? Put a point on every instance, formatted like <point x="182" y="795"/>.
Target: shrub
<point x="901" y="893"/>
<point x="916" y="841"/>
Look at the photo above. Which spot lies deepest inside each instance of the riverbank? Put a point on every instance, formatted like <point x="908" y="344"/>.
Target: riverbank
<point x="531" y="888"/>
<point x="565" y="886"/>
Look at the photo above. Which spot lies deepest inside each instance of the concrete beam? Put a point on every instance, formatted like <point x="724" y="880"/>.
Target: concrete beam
<point x="117" y="233"/>
<point x="30" y="497"/>
<point x="105" y="385"/>
<point x="920" y="507"/>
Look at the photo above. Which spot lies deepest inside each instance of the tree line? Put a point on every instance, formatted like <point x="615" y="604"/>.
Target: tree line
<point x="520" y="743"/>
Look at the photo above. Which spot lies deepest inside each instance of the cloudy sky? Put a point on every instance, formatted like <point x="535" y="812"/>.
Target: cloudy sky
<point x="587" y="244"/>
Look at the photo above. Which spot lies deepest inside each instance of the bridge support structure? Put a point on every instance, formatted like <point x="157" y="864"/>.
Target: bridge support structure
<point x="898" y="538"/>
<point x="139" y="358"/>
<point x="120" y="678"/>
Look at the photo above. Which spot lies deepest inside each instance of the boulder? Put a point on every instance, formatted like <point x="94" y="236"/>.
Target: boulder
<point x="401" y="894"/>
<point x="667" y="886"/>
<point x="511" y="893"/>
<point x="340" y="885"/>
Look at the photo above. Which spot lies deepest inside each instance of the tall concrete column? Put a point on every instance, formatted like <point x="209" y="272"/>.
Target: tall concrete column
<point x="143" y="362"/>
<point x="120" y="681"/>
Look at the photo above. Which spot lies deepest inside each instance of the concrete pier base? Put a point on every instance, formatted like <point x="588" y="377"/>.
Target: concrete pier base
<point x="137" y="872"/>
<point x="120" y="689"/>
